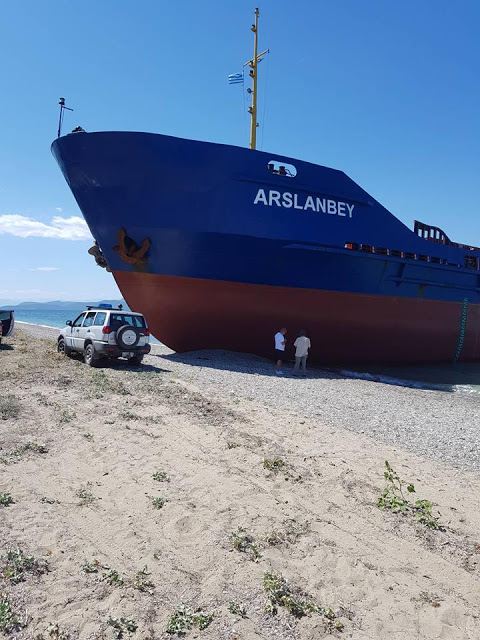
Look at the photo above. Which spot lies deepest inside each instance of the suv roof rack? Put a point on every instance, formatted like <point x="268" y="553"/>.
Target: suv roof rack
<point x="105" y="306"/>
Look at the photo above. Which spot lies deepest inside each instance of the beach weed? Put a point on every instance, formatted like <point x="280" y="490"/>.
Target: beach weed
<point x="47" y="500"/>
<point x="9" y="407"/>
<point x="29" y="446"/>
<point x="53" y="631"/>
<point x="16" y="565"/>
<point x="186" y="618"/>
<point x="232" y="445"/>
<point x="9" y="621"/>
<point x="120" y="626"/>
<point x="88" y="436"/>
<point x="394" y="498"/>
<point x="429" y="598"/>
<point x="245" y="543"/>
<point x="111" y="576"/>
<point x="142" y="582"/>
<point x="43" y="400"/>
<point x="84" y="495"/>
<point x="289" y="534"/>
<point x="6" y="499"/>
<point x="280" y="593"/>
<point x="129" y="415"/>
<point x="159" y="503"/>
<point x="273" y="465"/>
<point x="104" y="573"/>
<point x="237" y="609"/>
<point x="67" y="416"/>
<point x="160" y="476"/>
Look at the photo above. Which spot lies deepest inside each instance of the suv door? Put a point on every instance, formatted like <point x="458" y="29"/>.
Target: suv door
<point x="85" y="330"/>
<point x="72" y="339"/>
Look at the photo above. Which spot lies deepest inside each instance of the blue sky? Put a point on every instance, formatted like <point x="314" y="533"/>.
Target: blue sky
<point x="387" y="92"/>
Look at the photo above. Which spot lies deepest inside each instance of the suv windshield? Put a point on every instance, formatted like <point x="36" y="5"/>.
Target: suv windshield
<point x="119" y="319"/>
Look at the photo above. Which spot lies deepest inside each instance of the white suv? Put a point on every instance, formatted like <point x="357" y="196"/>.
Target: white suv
<point x="106" y="332"/>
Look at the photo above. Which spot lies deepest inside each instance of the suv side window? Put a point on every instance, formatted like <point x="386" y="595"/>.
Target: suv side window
<point x="100" y="319"/>
<point x="89" y="319"/>
<point x="79" y="320"/>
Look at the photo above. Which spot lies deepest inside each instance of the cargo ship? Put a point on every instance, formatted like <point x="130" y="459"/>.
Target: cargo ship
<point x="219" y="246"/>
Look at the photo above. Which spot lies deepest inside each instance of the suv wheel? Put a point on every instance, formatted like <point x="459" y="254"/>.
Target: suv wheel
<point x="62" y="347"/>
<point x="136" y="361"/>
<point x="89" y="356"/>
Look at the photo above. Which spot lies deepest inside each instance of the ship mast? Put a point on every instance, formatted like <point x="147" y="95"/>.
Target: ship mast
<point x="253" y="64"/>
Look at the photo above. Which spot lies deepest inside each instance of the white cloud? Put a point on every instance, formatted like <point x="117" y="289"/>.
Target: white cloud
<point x="59" y="209"/>
<point x="74" y="228"/>
<point x="45" y="269"/>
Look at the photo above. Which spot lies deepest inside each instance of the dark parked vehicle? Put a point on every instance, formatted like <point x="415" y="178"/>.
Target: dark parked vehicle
<point x="7" y="323"/>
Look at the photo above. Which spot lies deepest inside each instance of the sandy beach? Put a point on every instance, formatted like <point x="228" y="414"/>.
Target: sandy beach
<point x="128" y="493"/>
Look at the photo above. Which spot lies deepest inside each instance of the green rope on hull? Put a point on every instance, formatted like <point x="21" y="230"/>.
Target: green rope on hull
<point x="461" y="335"/>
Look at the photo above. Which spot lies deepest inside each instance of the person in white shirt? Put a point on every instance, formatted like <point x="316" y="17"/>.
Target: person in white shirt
<point x="302" y="345"/>
<point x="280" y="341"/>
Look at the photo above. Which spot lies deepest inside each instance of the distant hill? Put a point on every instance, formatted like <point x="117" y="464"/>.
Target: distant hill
<point x="62" y="305"/>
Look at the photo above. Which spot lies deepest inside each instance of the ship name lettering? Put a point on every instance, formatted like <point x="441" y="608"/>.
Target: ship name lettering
<point x="289" y="200"/>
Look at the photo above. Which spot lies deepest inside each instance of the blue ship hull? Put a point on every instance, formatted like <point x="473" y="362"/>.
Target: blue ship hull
<point x="222" y="233"/>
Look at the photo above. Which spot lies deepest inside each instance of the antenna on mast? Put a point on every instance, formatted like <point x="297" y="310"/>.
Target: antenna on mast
<point x="61" y="102"/>
<point x="253" y="64"/>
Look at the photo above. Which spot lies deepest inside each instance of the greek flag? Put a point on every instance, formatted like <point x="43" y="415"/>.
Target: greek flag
<point x="235" y="78"/>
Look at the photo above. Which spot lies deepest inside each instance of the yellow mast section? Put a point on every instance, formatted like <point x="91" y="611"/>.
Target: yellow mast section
<point x="253" y="64"/>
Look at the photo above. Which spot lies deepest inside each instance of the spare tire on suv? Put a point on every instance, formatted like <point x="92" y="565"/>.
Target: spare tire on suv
<point x="127" y="336"/>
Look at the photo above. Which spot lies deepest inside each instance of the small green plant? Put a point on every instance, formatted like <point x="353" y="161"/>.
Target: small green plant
<point x="9" y="407"/>
<point x="281" y="594"/>
<point x="289" y="534"/>
<point x="111" y="576"/>
<point x="129" y="415"/>
<point x="47" y="500"/>
<point x="142" y="582"/>
<point x="394" y="499"/>
<point x="9" y="621"/>
<point x="120" y="626"/>
<point x="88" y="436"/>
<point x="245" y="543"/>
<point x="16" y="565"/>
<point x="185" y="618"/>
<point x="237" y="609"/>
<point x="6" y="499"/>
<point x="85" y="496"/>
<point x="29" y="446"/>
<point x="67" y="416"/>
<point x="232" y="445"/>
<point x="54" y="632"/>
<point x="104" y="573"/>
<point x="161" y="476"/>
<point x="159" y="503"/>
<point x="273" y="465"/>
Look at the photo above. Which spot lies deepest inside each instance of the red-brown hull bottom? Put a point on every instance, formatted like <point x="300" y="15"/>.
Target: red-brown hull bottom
<point x="189" y="313"/>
